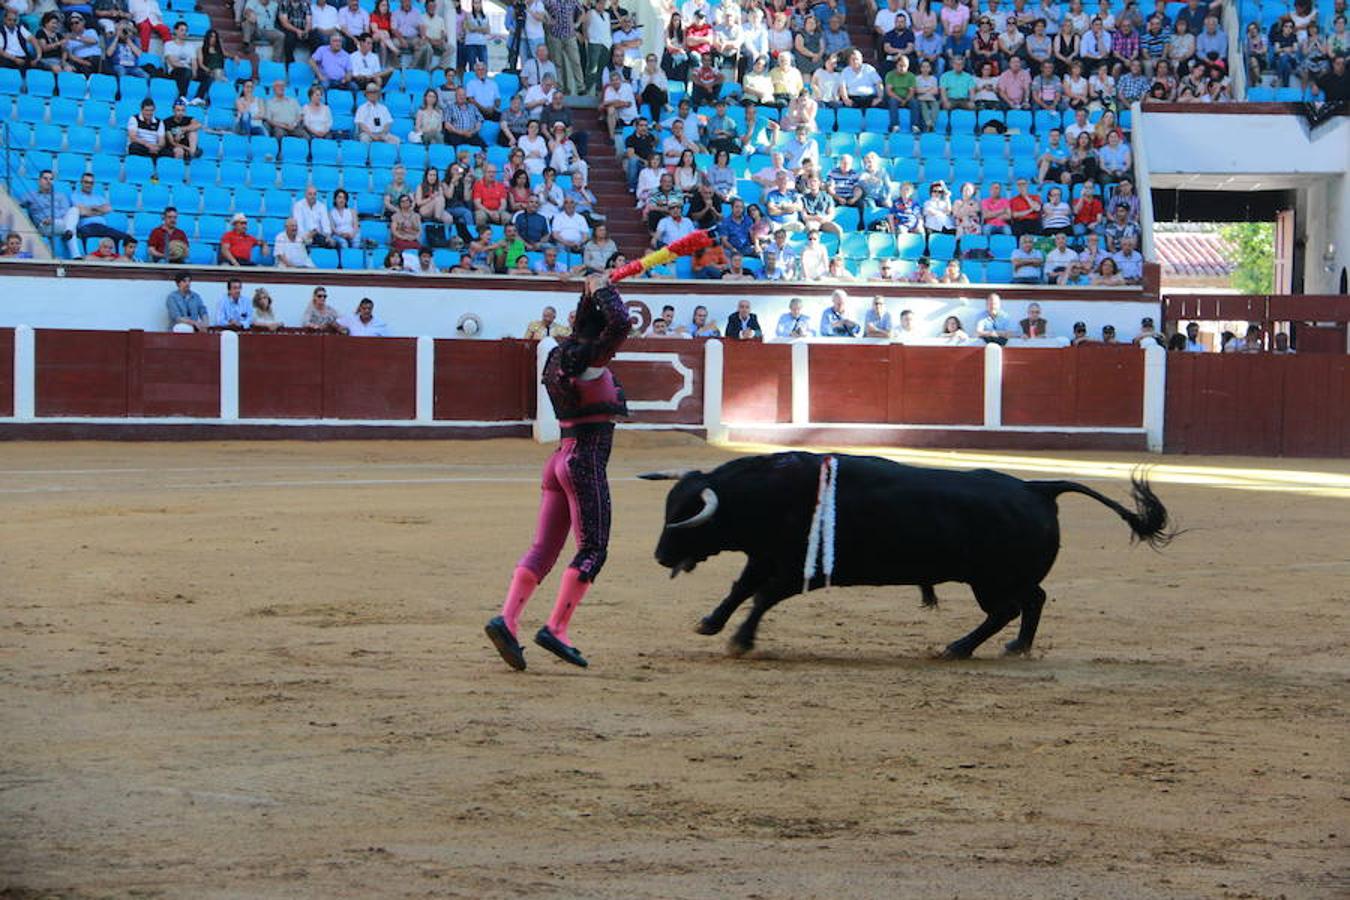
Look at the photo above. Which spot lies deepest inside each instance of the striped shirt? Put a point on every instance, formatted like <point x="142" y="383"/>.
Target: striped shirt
<point x="465" y="117"/>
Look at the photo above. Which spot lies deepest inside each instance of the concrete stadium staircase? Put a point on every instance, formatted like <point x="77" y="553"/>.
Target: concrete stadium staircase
<point x="860" y="33"/>
<point x="611" y="192"/>
<point x="222" y="20"/>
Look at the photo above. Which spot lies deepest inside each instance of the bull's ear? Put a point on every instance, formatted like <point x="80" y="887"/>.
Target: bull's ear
<point x="667" y="474"/>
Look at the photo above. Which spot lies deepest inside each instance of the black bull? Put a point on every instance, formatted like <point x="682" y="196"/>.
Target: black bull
<point x="896" y="524"/>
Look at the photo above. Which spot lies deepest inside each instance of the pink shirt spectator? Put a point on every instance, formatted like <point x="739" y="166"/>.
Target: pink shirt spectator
<point x="1015" y="84"/>
<point x="994" y="210"/>
<point x="954" y="18"/>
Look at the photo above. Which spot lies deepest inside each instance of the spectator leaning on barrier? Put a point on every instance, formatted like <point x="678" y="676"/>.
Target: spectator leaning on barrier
<point x="794" y="323"/>
<point x="1034" y="325"/>
<point x="877" y="322"/>
<point x="835" y="321"/>
<point x="234" y="312"/>
<point x="362" y="322"/>
<point x="186" y="310"/>
<point x="994" y="327"/>
<point x="743" y="324"/>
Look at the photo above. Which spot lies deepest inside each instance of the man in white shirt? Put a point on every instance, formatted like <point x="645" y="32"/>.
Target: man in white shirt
<point x="289" y="250"/>
<point x="628" y="37"/>
<point x="569" y="227"/>
<point x="540" y="96"/>
<point x="794" y="323"/>
<point x="363" y="323"/>
<point x="815" y="257"/>
<point x="365" y="65"/>
<point x="885" y="19"/>
<point x="672" y="228"/>
<point x="1060" y="257"/>
<point x="675" y="143"/>
<point x="373" y="120"/>
<point x="533" y="71"/>
<point x="311" y="219"/>
<point x="323" y="19"/>
<point x="353" y="21"/>
<point x="534" y="26"/>
<point x="1129" y="261"/>
<point x="483" y="92"/>
<point x="684" y="113"/>
<point x="618" y="103"/>
<point x="860" y="82"/>
<point x="800" y="147"/>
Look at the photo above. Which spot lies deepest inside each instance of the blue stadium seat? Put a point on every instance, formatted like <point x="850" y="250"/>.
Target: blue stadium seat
<point x="325" y="179"/>
<point x="1045" y="120"/>
<point x="220" y="117"/>
<point x="40" y="83"/>
<point x="971" y="242"/>
<point x="70" y="166"/>
<point x="262" y="147"/>
<point x="233" y="174"/>
<point x="98" y="113"/>
<point x="163" y="91"/>
<point x="203" y="172"/>
<point x="341" y="102"/>
<point x="848" y="120"/>
<point x="202" y="254"/>
<point x="985" y="116"/>
<point x="82" y="140"/>
<point x="993" y="146"/>
<point x="941" y="246"/>
<point x="154" y="197"/>
<point x="294" y="177"/>
<point x="881" y="245"/>
<point x="1024" y="167"/>
<point x="324" y="259"/>
<point x="171" y="171"/>
<point x="871" y="143"/>
<point x="367" y="203"/>
<point x="868" y="269"/>
<point x="352" y="258"/>
<point x="1001" y="246"/>
<point x="49" y="138"/>
<point x="299" y="76"/>
<point x="974" y="270"/>
<point x="997" y="170"/>
<point x="262" y="174"/>
<point x="277" y="202"/>
<point x="932" y="145"/>
<point x="998" y="272"/>
<point x="909" y="246"/>
<point x="107" y="165"/>
<point x="846" y="217"/>
<point x="1022" y="145"/>
<point x="905" y="170"/>
<point x="877" y="120"/>
<point x="211" y="229"/>
<point x="63" y="111"/>
<point x="400" y="105"/>
<point x="1019" y="121"/>
<point x="354" y="153"/>
<point x="11" y="83"/>
<point x="936" y="170"/>
<point x="34" y="161"/>
<point x="269" y="71"/>
<point x="382" y="155"/>
<point x="248" y="201"/>
<point x="965" y="170"/>
<point x="416" y="81"/>
<point x="900" y="144"/>
<point x="961" y="146"/>
<point x="30" y="109"/>
<point x="186" y="197"/>
<point x="376" y="231"/>
<point x="825" y="119"/>
<point x="323" y="152"/>
<point x="198" y="23"/>
<point x="841" y="143"/>
<point x="234" y="148"/>
<point x="962" y="121"/>
<point x="217" y="202"/>
<point x="509" y="84"/>
<point x="71" y="85"/>
<point x="414" y="156"/>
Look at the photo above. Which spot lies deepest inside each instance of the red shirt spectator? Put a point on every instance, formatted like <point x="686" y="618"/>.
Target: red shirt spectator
<point x="1088" y="211"/>
<point x="1025" y="208"/>
<point x="698" y="36"/>
<point x="240" y="244"/>
<point x="491" y="195"/>
<point x="167" y="234"/>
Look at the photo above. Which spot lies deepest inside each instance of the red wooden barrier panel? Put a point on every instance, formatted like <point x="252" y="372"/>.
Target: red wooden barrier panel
<point x="484" y="381"/>
<point x="849" y="383"/>
<point x="81" y="373"/>
<point x="369" y="378"/>
<point x="173" y="375"/>
<point x="659" y="380"/>
<point x="1258" y="405"/>
<point x="281" y="376"/>
<point x="936" y="385"/>
<point x="756" y="382"/>
<point x="6" y="371"/>
<point x="1075" y="386"/>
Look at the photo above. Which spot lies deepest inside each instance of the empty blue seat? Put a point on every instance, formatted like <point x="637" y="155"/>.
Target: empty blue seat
<point x="997" y="170"/>
<point x="322" y="152"/>
<point x="416" y="81"/>
<point x="941" y="246"/>
<point x="341" y="102"/>
<point x="847" y="218"/>
<point x="825" y="119"/>
<point x="34" y="162"/>
<point x="353" y="258"/>
<point x="30" y="109"/>
<point x="961" y="146"/>
<point x="201" y="253"/>
<point x="962" y="121"/>
<point x="936" y="170"/>
<point x="277" y="202"/>
<point x="383" y="155"/>
<point x="63" y="111"/>
<point x="1024" y="167"/>
<point x="849" y="120"/>
<point x="262" y="174"/>
<point x="154" y="197"/>
<point x="971" y="242"/>
<point x="11" y="83"/>
<point x="400" y="105"/>
<point x="877" y="120"/>
<point x="107" y="166"/>
<point x="294" y="177"/>
<point x="70" y="166"/>
<point x="171" y="171"/>
<point x="1019" y="121"/>
<point x="80" y="139"/>
<point x="220" y="117"/>
<point x="905" y="170"/>
<point x="1045" y="120"/>
<point x="234" y="148"/>
<point x="965" y="170"/>
<point x="186" y="197"/>
<point x="376" y="231"/>
<point x="998" y="272"/>
<point x="508" y="84"/>
<point x="97" y="114"/>
<point x="262" y="147"/>
<point x="211" y="229"/>
<point x="992" y="146"/>
<point x="163" y="91"/>
<point x="71" y="85"/>
<point x="49" y="138"/>
<point x="1001" y="246"/>
<point x="354" y="153"/>
<point x="414" y="156"/>
<point x="909" y="246"/>
<point x="324" y="259"/>
<point x="325" y="179"/>
<point x="217" y="202"/>
<point x="40" y="83"/>
<point x="203" y="172"/>
<point x="841" y="143"/>
<point x="248" y="201"/>
<point x="932" y="145"/>
<point x="985" y="116"/>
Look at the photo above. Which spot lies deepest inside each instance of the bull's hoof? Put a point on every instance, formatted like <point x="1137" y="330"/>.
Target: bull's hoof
<point x="708" y="625"/>
<point x="737" y="648"/>
<point x="953" y="652"/>
<point x="1016" y="648"/>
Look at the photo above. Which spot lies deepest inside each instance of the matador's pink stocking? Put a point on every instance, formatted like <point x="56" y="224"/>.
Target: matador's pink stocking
<point x="523" y="584"/>
<point x="570" y="593"/>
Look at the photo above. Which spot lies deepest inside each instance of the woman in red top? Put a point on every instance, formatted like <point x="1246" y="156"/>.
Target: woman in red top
<point x="381" y="29"/>
<point x="1088" y="214"/>
<point x="586" y="398"/>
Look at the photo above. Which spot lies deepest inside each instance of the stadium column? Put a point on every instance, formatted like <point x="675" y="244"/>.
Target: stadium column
<point x="25" y="371"/>
<point x="712" y="392"/>
<point x="993" y="386"/>
<point x="546" y="428"/>
<point x="1155" y="395"/>
<point x="426" y="379"/>
<point x="801" y="383"/>
<point x="229" y="376"/>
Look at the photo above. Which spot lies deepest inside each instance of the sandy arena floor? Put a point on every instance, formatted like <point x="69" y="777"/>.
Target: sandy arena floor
<point x="258" y="670"/>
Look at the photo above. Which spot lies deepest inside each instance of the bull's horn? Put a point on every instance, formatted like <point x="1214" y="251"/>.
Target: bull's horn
<point x="665" y="475"/>
<point x="709" y="497"/>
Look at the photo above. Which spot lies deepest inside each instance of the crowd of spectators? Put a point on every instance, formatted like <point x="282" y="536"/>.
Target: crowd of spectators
<point x="1304" y="46"/>
<point x="187" y="312"/>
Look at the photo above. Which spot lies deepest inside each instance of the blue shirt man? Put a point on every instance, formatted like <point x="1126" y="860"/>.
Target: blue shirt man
<point x="735" y="228"/>
<point x="234" y="311"/>
<point x="186" y="310"/>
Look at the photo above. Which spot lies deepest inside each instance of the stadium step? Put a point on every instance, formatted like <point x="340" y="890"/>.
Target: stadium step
<point x="222" y="20"/>
<point x="860" y="34"/>
<point x="611" y="193"/>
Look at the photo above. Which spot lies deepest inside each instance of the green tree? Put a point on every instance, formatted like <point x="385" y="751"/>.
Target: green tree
<point x="1253" y="246"/>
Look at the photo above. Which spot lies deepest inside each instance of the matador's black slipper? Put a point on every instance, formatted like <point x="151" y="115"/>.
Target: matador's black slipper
<point x="506" y="643"/>
<point x="549" y="641"/>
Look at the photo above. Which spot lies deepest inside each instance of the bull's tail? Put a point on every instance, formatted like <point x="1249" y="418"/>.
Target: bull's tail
<point x="1148" y="521"/>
